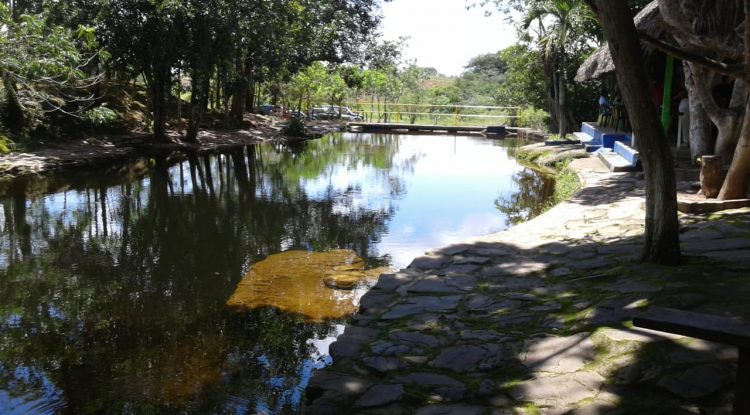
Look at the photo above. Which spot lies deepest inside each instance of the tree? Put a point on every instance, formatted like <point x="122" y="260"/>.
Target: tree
<point x="203" y="48"/>
<point x="556" y="22"/>
<point x="43" y="67"/>
<point x="144" y="38"/>
<point x="713" y="38"/>
<point x="523" y="83"/>
<point x="662" y="227"/>
<point x="413" y="79"/>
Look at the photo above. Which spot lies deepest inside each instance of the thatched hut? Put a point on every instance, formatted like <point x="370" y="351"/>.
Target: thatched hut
<point x="647" y="21"/>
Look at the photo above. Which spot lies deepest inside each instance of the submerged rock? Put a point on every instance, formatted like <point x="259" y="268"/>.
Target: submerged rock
<point x="303" y="282"/>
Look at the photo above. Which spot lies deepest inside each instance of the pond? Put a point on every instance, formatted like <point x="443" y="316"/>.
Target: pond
<point x="114" y="285"/>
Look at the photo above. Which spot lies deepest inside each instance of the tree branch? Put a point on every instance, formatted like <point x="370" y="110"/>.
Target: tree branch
<point x="732" y="70"/>
<point x="702" y="87"/>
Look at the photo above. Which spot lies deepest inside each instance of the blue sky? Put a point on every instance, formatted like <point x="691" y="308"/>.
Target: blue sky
<point x="443" y="34"/>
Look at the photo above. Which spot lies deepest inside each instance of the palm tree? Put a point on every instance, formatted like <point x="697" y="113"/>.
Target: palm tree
<point x="556" y="21"/>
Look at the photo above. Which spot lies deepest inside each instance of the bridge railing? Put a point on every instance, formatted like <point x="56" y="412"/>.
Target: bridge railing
<point x="456" y="115"/>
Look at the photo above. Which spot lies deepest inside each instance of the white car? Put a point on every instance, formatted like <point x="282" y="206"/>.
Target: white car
<point x="343" y="113"/>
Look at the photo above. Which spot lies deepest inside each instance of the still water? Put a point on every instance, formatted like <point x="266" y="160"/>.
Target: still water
<point x="113" y="285"/>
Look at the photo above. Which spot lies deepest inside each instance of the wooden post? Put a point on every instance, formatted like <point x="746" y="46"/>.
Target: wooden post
<point x="710" y="176"/>
<point x="666" y="100"/>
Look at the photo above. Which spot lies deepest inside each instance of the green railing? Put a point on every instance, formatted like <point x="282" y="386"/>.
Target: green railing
<point x="456" y="115"/>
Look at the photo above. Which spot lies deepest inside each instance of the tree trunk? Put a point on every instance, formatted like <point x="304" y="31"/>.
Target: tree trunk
<point x="158" y="93"/>
<point x="239" y="95"/>
<point x="701" y="141"/>
<point x="552" y="102"/>
<point x="250" y="104"/>
<point x="662" y="227"/>
<point x="710" y="177"/>
<point x="201" y="66"/>
<point x="727" y="120"/>
<point x="737" y="183"/>
<point x="14" y="114"/>
<point x="731" y="125"/>
<point x="561" y="99"/>
<point x="198" y="101"/>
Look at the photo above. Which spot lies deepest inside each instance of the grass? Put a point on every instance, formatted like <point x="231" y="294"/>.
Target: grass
<point x="566" y="182"/>
<point x="556" y="137"/>
<point x="530" y="156"/>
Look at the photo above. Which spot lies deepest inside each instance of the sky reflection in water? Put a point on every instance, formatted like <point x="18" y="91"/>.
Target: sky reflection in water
<point x="113" y="285"/>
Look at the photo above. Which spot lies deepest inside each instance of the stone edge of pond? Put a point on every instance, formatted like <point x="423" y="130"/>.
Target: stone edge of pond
<point x="528" y="320"/>
<point x="94" y="152"/>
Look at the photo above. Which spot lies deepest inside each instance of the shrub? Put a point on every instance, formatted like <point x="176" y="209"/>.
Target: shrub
<point x="566" y="182"/>
<point x="101" y="116"/>
<point x="296" y="128"/>
<point x="6" y="145"/>
<point x="531" y="117"/>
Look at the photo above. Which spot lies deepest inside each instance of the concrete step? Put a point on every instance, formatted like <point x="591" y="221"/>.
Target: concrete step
<point x="614" y="161"/>
<point x="584" y="137"/>
<point x="625" y="151"/>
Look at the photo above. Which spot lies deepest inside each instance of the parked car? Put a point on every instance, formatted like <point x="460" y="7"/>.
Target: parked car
<point x="265" y="109"/>
<point x="344" y="113"/>
<point x="298" y="115"/>
<point x="334" y="112"/>
<point x="323" y="114"/>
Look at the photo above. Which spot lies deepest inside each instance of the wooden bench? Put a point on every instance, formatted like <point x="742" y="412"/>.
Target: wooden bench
<point x="716" y="329"/>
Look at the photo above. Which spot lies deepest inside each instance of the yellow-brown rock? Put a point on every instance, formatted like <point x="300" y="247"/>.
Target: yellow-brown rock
<point x="300" y="282"/>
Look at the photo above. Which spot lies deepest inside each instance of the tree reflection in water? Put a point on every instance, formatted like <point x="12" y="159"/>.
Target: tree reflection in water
<point x="113" y="285"/>
<point x="523" y="205"/>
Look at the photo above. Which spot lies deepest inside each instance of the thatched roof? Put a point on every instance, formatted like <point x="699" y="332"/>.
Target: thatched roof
<point x="648" y="21"/>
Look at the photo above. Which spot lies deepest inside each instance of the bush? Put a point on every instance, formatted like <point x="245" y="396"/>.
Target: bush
<point x="6" y="145"/>
<point x="101" y="116"/>
<point x="296" y="128"/>
<point x="531" y="117"/>
<point x="566" y="182"/>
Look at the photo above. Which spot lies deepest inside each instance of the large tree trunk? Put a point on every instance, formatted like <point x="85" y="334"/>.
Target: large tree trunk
<point x="737" y="183"/>
<point x="198" y="100"/>
<point x="201" y="66"/>
<point x="701" y="140"/>
<point x="731" y="124"/>
<point x="158" y="87"/>
<point x="728" y="121"/>
<point x="662" y="227"/>
<point x="14" y="116"/>
<point x="239" y="95"/>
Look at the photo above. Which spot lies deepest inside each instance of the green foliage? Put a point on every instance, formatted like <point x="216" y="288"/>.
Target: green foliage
<point x="537" y="119"/>
<point x="295" y="128"/>
<point x="44" y="68"/>
<point x="6" y="145"/>
<point x="557" y="137"/>
<point x="566" y="182"/>
<point x="101" y="116"/>
<point x="523" y="82"/>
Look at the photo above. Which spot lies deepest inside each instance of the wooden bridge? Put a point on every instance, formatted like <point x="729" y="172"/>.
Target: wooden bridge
<point x="417" y="128"/>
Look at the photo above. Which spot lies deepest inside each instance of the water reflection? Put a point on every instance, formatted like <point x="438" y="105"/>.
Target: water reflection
<point x="113" y="285"/>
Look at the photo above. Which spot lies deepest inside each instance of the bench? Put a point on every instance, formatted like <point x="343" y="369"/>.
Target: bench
<point x="716" y="329"/>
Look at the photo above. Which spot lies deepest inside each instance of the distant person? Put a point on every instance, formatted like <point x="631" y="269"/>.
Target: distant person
<point x="603" y="101"/>
<point x="604" y="108"/>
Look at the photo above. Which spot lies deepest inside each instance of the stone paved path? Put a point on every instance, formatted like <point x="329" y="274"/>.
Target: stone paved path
<point x="535" y="320"/>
